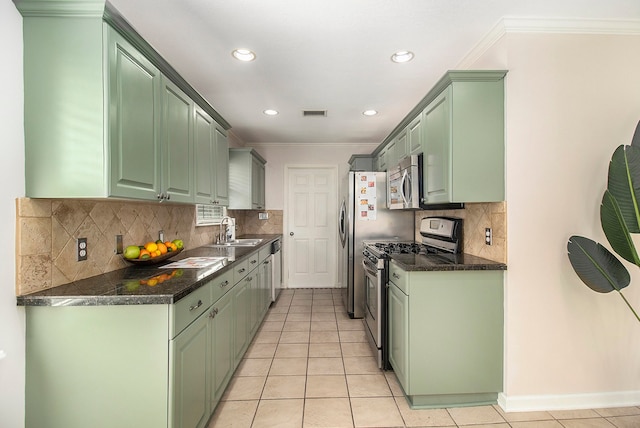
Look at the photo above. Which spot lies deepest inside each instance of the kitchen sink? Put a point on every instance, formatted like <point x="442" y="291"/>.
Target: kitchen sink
<point x="246" y="242"/>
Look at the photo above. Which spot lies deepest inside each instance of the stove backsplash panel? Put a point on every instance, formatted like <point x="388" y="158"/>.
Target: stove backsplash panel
<point x="477" y="217"/>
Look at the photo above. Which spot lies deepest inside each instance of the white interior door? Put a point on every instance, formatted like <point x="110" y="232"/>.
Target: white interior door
<point x="311" y="216"/>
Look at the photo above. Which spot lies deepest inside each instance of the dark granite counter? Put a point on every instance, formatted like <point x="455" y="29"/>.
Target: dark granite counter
<point x="123" y="287"/>
<point x="445" y="262"/>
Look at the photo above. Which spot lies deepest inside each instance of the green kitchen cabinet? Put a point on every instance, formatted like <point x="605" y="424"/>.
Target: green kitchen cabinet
<point x="414" y="135"/>
<point x="221" y="166"/>
<point x="463" y="145"/>
<point x="392" y="155"/>
<point x="242" y="320"/>
<point x="246" y="179"/>
<point x="398" y="315"/>
<point x="401" y="146"/>
<point x="446" y="335"/>
<point x="97" y="366"/>
<point x="189" y="359"/>
<point x="164" y="365"/>
<point x="177" y="144"/>
<point x="212" y="161"/>
<point x="221" y="348"/>
<point x="98" y="122"/>
<point x="381" y="160"/>
<point x="135" y="112"/>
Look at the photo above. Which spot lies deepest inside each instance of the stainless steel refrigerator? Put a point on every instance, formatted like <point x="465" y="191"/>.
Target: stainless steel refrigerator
<point x="364" y="216"/>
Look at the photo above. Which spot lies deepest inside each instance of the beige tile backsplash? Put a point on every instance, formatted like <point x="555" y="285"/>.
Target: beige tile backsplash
<point x="47" y="230"/>
<point x="477" y="217"/>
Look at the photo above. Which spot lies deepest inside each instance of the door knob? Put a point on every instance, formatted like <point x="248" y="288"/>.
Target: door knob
<point x="290" y="233"/>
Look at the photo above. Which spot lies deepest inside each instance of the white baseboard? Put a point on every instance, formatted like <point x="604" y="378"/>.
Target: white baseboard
<point x="532" y="403"/>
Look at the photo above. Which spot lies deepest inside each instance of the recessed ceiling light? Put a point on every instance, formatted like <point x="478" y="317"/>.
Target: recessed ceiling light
<point x="270" y="112"/>
<point x="370" y="112"/>
<point x="402" y="56"/>
<point x="243" y="55"/>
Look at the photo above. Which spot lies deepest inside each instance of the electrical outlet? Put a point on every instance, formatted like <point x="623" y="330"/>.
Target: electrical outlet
<point x="82" y="249"/>
<point x="263" y="216"/>
<point x="119" y="244"/>
<point x="488" y="236"/>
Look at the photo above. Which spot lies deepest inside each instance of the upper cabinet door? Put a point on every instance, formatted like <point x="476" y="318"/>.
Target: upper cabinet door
<point x="134" y="115"/>
<point x="204" y="157"/>
<point x="221" y="165"/>
<point x="436" y="161"/>
<point x="414" y="134"/>
<point x="177" y="144"/>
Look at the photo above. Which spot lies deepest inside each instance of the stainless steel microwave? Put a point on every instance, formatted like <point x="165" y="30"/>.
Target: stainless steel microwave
<point x="404" y="184"/>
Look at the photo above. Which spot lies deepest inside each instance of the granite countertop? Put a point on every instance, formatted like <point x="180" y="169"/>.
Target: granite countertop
<point x="123" y="287"/>
<point x="445" y="262"/>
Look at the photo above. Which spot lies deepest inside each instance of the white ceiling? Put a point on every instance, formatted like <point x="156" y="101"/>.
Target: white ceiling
<point x="329" y="54"/>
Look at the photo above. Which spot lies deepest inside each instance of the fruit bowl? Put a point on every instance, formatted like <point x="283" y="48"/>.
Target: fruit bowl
<point x="154" y="260"/>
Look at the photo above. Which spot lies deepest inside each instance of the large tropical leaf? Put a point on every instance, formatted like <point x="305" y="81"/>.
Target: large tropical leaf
<point x="596" y="266"/>
<point x="615" y="229"/>
<point x="624" y="184"/>
<point x="635" y="141"/>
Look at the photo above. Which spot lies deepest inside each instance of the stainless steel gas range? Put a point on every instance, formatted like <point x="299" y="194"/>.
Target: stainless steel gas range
<point x="441" y="238"/>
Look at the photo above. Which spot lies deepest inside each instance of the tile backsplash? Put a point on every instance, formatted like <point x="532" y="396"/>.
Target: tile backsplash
<point x="47" y="230"/>
<point x="477" y="217"/>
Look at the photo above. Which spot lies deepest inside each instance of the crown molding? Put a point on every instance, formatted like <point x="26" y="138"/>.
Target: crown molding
<point x="548" y="26"/>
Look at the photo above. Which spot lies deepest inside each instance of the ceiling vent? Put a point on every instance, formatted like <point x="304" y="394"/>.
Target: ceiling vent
<point x="312" y="113"/>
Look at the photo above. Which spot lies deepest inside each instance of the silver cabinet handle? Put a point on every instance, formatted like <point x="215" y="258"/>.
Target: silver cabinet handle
<point x="253" y="262"/>
<point x="249" y="279"/>
<point x="266" y="262"/>
<point x="196" y="306"/>
<point x="213" y="313"/>
<point x="241" y="270"/>
<point x="395" y="275"/>
<point x="224" y="284"/>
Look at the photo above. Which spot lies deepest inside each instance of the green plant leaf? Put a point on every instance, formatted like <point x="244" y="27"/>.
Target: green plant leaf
<point x="615" y="229"/>
<point x="596" y="266"/>
<point x="624" y="184"/>
<point x="635" y="141"/>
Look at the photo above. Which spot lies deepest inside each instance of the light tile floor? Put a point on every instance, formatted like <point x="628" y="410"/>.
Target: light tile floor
<point x="310" y="366"/>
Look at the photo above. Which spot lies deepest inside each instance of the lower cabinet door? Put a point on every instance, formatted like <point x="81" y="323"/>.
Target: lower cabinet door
<point x="242" y="305"/>
<point x="221" y="342"/>
<point x="399" y="335"/>
<point x="187" y="379"/>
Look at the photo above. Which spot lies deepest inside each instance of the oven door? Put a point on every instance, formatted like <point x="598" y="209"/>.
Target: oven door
<point x="374" y="283"/>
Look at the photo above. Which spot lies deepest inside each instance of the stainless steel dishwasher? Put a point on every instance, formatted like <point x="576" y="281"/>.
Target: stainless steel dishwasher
<point x="276" y="271"/>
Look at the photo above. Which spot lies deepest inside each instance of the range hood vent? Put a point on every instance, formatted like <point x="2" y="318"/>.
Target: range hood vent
<point x="316" y="113"/>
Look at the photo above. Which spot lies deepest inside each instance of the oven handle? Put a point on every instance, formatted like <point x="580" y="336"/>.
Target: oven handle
<point x="367" y="269"/>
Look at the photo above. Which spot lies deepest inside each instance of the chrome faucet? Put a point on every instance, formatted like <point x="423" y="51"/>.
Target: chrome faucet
<point x="222" y="235"/>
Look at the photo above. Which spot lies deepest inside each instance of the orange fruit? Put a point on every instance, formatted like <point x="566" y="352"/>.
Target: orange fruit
<point x="174" y="247"/>
<point x="151" y="246"/>
<point x="144" y="254"/>
<point x="152" y="282"/>
<point x="162" y="248"/>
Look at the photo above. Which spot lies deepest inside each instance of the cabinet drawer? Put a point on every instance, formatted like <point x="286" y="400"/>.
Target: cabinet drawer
<point x="221" y="285"/>
<point x="399" y="277"/>
<point x="254" y="260"/>
<point x="265" y="252"/>
<point x="187" y="309"/>
<point x="240" y="270"/>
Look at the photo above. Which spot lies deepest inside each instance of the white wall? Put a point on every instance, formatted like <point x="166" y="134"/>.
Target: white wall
<point x="280" y="155"/>
<point x="12" y="324"/>
<point x="571" y="100"/>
